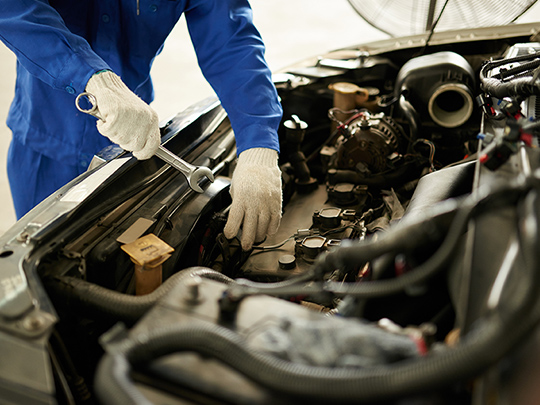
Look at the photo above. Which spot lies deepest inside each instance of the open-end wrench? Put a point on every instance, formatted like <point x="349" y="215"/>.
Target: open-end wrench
<point x="193" y="173"/>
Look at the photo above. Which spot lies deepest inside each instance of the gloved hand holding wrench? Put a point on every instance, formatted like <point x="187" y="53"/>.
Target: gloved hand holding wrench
<point x="129" y="122"/>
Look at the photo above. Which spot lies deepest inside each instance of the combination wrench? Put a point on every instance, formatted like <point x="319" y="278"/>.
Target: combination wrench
<point x="193" y="173"/>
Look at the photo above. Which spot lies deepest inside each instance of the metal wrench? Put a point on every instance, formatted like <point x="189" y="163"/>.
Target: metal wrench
<point x="193" y="173"/>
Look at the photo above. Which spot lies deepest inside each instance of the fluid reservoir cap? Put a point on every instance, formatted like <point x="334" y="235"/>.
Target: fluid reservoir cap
<point x="373" y="92"/>
<point x="287" y="262"/>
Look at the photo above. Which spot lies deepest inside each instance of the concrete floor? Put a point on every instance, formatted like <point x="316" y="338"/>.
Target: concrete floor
<point x="292" y="30"/>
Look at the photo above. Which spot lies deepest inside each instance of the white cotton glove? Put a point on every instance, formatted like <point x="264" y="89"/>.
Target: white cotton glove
<point x="126" y="119"/>
<point x="256" y="197"/>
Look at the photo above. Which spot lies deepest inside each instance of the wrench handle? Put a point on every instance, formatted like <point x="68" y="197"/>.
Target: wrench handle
<point x="173" y="160"/>
<point x="166" y="155"/>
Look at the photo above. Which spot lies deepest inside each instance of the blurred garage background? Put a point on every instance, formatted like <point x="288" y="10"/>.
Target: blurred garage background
<point x="292" y="30"/>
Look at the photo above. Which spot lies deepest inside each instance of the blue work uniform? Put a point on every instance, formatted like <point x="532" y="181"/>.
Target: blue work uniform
<point x="60" y="44"/>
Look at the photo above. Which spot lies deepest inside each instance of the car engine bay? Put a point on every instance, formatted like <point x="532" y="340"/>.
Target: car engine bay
<point x="403" y="272"/>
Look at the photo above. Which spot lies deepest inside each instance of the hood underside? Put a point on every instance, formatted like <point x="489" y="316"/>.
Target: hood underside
<point x="398" y="18"/>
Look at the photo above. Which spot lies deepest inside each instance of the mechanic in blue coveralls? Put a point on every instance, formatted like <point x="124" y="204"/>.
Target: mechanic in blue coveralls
<point x="106" y="47"/>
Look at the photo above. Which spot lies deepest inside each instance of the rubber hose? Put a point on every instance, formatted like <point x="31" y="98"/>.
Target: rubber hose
<point x="528" y="232"/>
<point x="479" y="349"/>
<point x="411" y="115"/>
<point x="118" y="306"/>
<point x="363" y="253"/>
<point x="354" y="254"/>
<point x="387" y="179"/>
<point x="468" y="206"/>
<point x="401" y="238"/>
<point x="292" y="281"/>
<point x="521" y="87"/>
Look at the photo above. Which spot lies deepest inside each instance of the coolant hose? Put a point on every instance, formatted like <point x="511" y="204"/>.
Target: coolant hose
<point x="95" y="299"/>
<point x="491" y="339"/>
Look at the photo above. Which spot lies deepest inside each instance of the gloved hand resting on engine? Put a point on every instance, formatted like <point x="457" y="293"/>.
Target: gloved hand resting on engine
<point x="127" y="120"/>
<point x="256" y="197"/>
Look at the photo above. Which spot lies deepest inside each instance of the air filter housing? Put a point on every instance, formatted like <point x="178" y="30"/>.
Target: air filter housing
<point x="439" y="86"/>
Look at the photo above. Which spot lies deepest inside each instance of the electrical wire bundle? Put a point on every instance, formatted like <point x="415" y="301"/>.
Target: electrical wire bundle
<point x="520" y="81"/>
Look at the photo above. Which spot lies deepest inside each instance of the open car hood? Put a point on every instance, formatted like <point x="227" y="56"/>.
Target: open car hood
<point x="404" y="269"/>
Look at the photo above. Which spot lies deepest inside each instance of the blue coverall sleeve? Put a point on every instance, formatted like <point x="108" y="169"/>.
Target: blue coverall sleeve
<point x="45" y="47"/>
<point x="230" y="53"/>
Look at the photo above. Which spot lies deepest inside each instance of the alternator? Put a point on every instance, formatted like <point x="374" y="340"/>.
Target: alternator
<point x="368" y="141"/>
